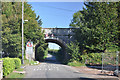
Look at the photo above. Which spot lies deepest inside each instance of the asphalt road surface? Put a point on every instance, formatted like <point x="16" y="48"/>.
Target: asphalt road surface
<point x="53" y="69"/>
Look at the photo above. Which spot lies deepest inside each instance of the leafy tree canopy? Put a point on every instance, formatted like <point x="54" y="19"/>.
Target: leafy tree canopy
<point x="11" y="27"/>
<point x="98" y="26"/>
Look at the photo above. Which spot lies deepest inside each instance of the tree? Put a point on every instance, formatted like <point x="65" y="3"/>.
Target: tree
<point x="11" y="27"/>
<point x="73" y="51"/>
<point x="98" y="26"/>
<point x="42" y="51"/>
<point x="118" y="19"/>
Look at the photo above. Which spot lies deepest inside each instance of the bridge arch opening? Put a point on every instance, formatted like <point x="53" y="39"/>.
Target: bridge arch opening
<point x="53" y="46"/>
<point x="58" y="42"/>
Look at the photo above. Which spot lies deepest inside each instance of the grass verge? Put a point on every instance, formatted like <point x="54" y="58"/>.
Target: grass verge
<point x="27" y="62"/>
<point x="19" y="75"/>
<point x="76" y="64"/>
<point x="16" y="75"/>
<point x="33" y="62"/>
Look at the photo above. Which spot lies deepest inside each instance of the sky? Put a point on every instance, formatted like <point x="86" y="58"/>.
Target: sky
<point x="53" y="46"/>
<point x="56" y="14"/>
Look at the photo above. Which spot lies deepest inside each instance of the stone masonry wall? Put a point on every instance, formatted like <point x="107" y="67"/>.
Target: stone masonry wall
<point x="65" y="34"/>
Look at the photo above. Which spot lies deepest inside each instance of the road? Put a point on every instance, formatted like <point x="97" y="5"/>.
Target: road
<point x="53" y="69"/>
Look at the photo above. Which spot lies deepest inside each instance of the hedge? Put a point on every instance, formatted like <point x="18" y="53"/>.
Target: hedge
<point x="17" y="63"/>
<point x="9" y="64"/>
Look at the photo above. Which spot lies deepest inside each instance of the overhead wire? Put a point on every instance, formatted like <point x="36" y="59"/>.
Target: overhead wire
<point x="57" y="8"/>
<point x="68" y="10"/>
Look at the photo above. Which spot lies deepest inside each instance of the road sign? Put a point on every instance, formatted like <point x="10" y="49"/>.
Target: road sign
<point x="29" y="47"/>
<point x="29" y="44"/>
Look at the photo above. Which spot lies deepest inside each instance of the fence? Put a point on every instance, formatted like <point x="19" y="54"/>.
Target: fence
<point x="110" y="62"/>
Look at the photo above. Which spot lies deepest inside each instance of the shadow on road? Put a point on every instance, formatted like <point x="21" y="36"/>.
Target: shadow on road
<point x="51" y="59"/>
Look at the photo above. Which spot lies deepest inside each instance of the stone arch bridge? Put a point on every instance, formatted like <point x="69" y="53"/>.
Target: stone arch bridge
<point x="60" y="36"/>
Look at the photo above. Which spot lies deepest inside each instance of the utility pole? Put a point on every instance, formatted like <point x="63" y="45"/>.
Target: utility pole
<point x="22" y="32"/>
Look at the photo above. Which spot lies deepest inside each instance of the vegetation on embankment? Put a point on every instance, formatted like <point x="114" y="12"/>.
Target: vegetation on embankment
<point x="41" y="52"/>
<point x="98" y="32"/>
<point x="85" y="59"/>
<point x="98" y="27"/>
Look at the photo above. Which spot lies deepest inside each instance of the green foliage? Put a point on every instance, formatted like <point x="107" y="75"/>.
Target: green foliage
<point x="98" y="31"/>
<point x="11" y="27"/>
<point x="53" y="50"/>
<point x="73" y="51"/>
<point x="74" y="63"/>
<point x="92" y="58"/>
<point x="46" y="52"/>
<point x="17" y="63"/>
<point x="15" y="75"/>
<point x="59" y="54"/>
<point x="42" y="52"/>
<point x="33" y="62"/>
<point x="9" y="64"/>
<point x="118" y="19"/>
<point x="98" y="26"/>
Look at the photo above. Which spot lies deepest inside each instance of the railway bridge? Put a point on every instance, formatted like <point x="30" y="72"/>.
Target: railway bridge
<point x="60" y="36"/>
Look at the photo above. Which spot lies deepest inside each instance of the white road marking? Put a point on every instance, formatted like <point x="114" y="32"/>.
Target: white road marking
<point x="50" y="67"/>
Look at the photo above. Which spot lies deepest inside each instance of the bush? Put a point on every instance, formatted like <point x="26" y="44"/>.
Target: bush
<point x="41" y="53"/>
<point x="9" y="64"/>
<point x="92" y="58"/>
<point x="17" y="63"/>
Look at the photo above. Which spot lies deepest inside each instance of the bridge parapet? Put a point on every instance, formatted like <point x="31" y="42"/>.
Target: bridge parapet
<point x="59" y="31"/>
<point x="65" y="34"/>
